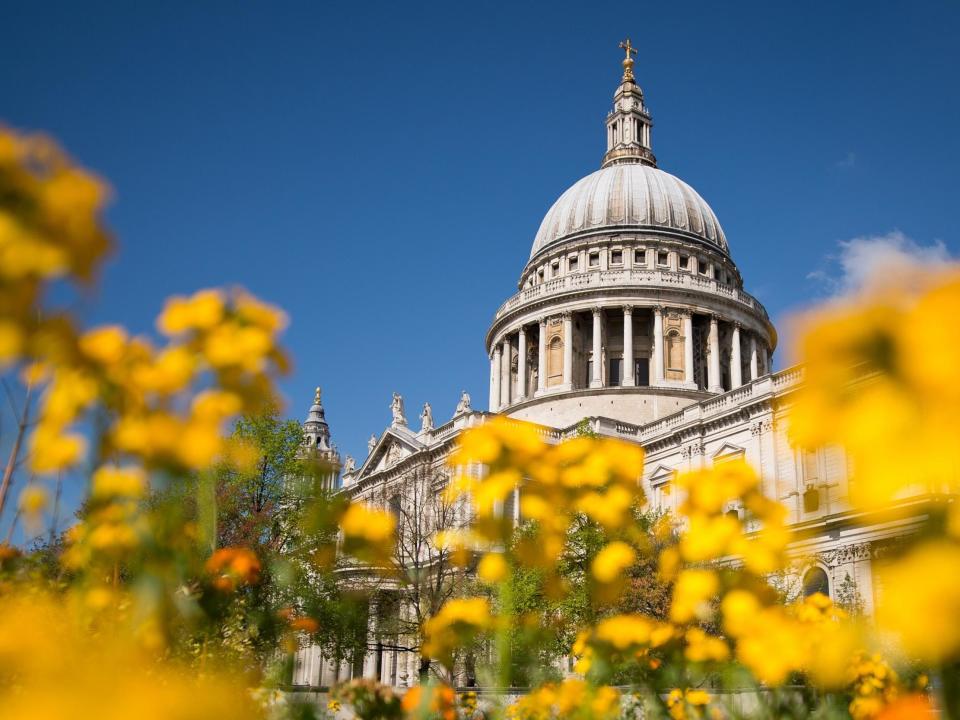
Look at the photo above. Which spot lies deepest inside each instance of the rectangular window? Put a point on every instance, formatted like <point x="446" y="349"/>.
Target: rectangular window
<point x="663" y="258"/>
<point x="640" y="256"/>
<point x="594" y="259"/>
<point x="616" y="257"/>
<point x="572" y="263"/>
<point x="555" y="268"/>
<point x="641" y="371"/>
<point x="684" y="262"/>
<point x="703" y="266"/>
<point x="615" y="365"/>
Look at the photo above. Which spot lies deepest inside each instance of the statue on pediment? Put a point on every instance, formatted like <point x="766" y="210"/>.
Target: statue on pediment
<point x="396" y="409"/>
<point x="426" y="418"/>
<point x="464" y="405"/>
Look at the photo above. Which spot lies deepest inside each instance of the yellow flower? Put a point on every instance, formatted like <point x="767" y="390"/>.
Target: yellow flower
<point x="702" y="647"/>
<point x="11" y="342"/>
<point x="612" y="560"/>
<point x="202" y="311"/>
<point x="458" y="621"/>
<point x="104" y="345"/>
<point x="920" y="604"/>
<point x="118" y="482"/>
<point x="171" y="371"/>
<point x="363" y="521"/>
<point x="739" y="609"/>
<point x="478" y="445"/>
<point x="492" y="568"/>
<point x="692" y="594"/>
<point x="33" y="501"/>
<point x="52" y="452"/>
<point x="623" y="631"/>
<point x="259" y="313"/>
<point x="234" y="345"/>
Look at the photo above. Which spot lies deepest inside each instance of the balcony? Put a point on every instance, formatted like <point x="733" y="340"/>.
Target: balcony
<point x="632" y="279"/>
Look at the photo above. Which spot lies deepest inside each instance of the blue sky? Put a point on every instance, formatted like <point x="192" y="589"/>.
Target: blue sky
<point x="380" y="169"/>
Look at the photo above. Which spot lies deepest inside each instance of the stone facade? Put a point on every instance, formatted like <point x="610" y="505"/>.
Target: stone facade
<point x="631" y="316"/>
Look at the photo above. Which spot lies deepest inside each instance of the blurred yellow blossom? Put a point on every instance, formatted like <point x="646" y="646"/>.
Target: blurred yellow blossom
<point x="920" y="603"/>
<point x="612" y="560"/>
<point x="492" y="568"/>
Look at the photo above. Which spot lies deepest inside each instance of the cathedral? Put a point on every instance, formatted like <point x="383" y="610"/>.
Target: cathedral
<point x="630" y="321"/>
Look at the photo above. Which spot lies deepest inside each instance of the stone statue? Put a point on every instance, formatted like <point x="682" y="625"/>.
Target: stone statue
<point x="396" y="407"/>
<point x="464" y="405"/>
<point x="349" y="464"/>
<point x="426" y="418"/>
<point x="371" y="444"/>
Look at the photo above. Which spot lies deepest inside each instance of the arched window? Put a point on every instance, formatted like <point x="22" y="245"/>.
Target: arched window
<point x="674" y="351"/>
<point x="815" y="581"/>
<point x="555" y="361"/>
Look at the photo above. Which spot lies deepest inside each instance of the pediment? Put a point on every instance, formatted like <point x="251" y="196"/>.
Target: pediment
<point x="661" y="474"/>
<point x="728" y="451"/>
<point x="392" y="447"/>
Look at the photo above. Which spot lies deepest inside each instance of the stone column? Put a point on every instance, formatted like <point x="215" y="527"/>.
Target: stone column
<point x="753" y="357"/>
<point x="736" y="376"/>
<point x="765" y="357"/>
<point x="505" y="364"/>
<point x="495" y="380"/>
<point x="688" y="350"/>
<point x="542" y="357"/>
<point x="713" y="379"/>
<point x="521" y="364"/>
<point x="568" y="351"/>
<point x="628" y="362"/>
<point x="596" y="379"/>
<point x="657" y="346"/>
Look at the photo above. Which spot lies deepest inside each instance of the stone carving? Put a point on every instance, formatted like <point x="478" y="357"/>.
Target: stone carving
<point x="396" y="408"/>
<point x="464" y="405"/>
<point x="393" y="455"/>
<point x="349" y="465"/>
<point x="371" y="443"/>
<point x="846" y="554"/>
<point x="426" y="418"/>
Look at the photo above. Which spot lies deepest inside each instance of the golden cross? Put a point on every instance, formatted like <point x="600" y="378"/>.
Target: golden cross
<point x="630" y="50"/>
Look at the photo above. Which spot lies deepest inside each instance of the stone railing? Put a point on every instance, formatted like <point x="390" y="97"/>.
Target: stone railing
<point x="761" y="387"/>
<point x="629" y="278"/>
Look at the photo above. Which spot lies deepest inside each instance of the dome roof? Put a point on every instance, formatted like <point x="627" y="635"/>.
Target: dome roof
<point x="630" y="196"/>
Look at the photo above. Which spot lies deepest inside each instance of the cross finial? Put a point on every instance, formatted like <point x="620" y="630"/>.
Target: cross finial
<point x="628" y="61"/>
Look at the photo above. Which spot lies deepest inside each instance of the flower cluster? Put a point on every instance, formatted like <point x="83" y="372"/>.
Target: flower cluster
<point x="880" y="380"/>
<point x="458" y="622"/>
<point x="573" y="699"/>
<point x="595" y="478"/>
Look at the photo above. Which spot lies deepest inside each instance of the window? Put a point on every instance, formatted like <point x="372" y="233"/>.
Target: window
<point x="663" y="258"/>
<point x="816" y="581"/>
<point x="555" y="268"/>
<point x="674" y="351"/>
<point x="572" y="263"/>
<point x="616" y="257"/>
<point x="594" y="259"/>
<point x="641" y="371"/>
<point x="703" y="266"/>
<point x="811" y="500"/>
<point x="639" y="256"/>
<point x="684" y="262"/>
<point x="615" y="366"/>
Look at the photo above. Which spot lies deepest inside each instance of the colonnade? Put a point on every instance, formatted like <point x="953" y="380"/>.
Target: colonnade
<point x="508" y="387"/>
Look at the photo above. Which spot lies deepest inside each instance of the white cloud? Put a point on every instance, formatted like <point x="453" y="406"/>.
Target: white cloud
<point x="846" y="163"/>
<point x="873" y="263"/>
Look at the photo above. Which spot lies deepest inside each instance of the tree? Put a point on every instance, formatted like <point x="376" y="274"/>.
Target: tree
<point x="423" y="573"/>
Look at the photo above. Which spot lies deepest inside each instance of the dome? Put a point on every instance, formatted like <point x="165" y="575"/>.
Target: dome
<point x="631" y="196"/>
